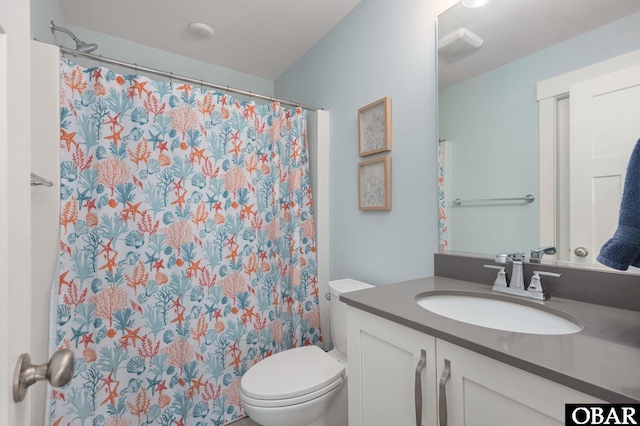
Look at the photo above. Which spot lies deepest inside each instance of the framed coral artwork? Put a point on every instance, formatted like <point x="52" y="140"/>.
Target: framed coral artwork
<point x="374" y="184"/>
<point x="374" y="127"/>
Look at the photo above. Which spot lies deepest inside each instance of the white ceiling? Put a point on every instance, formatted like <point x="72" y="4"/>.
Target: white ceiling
<point x="258" y="37"/>
<point x="265" y="37"/>
<point x="513" y="29"/>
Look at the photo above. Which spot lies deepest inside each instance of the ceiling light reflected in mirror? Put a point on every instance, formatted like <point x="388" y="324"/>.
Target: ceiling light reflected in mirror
<point x="474" y="3"/>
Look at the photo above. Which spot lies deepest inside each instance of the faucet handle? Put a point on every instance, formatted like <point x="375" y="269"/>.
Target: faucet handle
<point x="501" y="279"/>
<point x="547" y="274"/>
<point x="536" y="287"/>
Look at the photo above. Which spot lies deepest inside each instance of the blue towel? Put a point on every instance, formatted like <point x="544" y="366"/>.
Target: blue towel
<point x="623" y="249"/>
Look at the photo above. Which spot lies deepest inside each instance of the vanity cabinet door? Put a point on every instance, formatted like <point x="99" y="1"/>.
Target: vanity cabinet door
<point x="384" y="358"/>
<point x="481" y="391"/>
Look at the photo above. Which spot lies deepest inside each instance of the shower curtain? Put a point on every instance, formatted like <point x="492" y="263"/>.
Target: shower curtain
<point x="187" y="250"/>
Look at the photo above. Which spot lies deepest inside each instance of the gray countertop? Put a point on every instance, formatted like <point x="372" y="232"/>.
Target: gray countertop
<point x="603" y="360"/>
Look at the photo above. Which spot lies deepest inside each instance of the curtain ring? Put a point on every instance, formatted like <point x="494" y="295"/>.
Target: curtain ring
<point x="100" y="63"/>
<point x="135" y="68"/>
<point x="201" y="86"/>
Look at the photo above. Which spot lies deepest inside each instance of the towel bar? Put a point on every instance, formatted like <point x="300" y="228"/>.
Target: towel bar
<point x="529" y="198"/>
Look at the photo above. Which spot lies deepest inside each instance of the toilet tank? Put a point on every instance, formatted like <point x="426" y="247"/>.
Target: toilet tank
<point x="338" y="310"/>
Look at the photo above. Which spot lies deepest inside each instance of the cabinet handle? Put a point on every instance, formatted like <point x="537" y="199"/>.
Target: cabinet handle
<point x="419" y="368"/>
<point x="442" y="399"/>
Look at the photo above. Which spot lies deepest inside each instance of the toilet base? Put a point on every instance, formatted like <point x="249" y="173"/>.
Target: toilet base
<point x="336" y="414"/>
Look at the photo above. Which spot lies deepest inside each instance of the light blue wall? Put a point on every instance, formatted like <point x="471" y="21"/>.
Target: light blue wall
<point x="382" y="48"/>
<point x="43" y="11"/>
<point x="492" y="124"/>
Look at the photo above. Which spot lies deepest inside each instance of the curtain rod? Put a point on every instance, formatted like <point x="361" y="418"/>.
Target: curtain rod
<point x="172" y="76"/>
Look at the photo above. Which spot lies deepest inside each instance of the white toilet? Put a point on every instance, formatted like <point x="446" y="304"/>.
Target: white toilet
<point x="304" y="386"/>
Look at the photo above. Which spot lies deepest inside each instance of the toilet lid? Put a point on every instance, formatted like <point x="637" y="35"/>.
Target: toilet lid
<point x="291" y="373"/>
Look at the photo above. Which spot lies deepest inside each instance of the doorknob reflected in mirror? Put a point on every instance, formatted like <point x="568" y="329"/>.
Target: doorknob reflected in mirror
<point x="581" y="252"/>
<point x="58" y="371"/>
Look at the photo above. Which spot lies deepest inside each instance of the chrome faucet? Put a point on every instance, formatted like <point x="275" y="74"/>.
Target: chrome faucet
<point x="536" y="254"/>
<point x="516" y="284"/>
<point x="517" y="270"/>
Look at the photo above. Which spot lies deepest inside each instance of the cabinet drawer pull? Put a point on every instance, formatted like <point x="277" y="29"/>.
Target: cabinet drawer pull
<point x="442" y="399"/>
<point x="418" y="396"/>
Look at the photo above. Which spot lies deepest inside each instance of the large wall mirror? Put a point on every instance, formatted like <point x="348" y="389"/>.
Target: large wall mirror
<point x="539" y="106"/>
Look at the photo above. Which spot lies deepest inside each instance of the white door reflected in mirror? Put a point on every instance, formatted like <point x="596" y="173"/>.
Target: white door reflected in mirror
<point x="588" y="128"/>
<point x="604" y="130"/>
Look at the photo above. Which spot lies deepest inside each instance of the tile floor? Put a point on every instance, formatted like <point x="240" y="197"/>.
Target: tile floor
<point x="243" y="422"/>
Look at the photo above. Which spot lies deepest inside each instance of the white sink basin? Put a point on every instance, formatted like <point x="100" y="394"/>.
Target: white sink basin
<point x="497" y="314"/>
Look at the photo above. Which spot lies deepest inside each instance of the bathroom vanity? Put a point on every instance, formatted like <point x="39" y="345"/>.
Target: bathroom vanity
<point x="405" y="361"/>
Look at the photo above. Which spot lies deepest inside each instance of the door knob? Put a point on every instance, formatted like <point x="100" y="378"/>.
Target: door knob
<point x="581" y="252"/>
<point x="58" y="371"/>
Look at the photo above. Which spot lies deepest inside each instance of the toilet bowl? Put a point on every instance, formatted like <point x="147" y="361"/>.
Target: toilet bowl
<point x="303" y="386"/>
<point x="292" y="388"/>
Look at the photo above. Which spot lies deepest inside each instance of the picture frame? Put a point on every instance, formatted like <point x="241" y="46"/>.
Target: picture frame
<point x="374" y="127"/>
<point x="374" y="184"/>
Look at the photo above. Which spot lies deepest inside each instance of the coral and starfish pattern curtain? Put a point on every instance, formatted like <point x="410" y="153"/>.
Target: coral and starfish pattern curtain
<point x="187" y="249"/>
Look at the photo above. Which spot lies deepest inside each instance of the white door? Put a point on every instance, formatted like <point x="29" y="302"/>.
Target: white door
<point x="604" y="129"/>
<point x="15" y="138"/>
